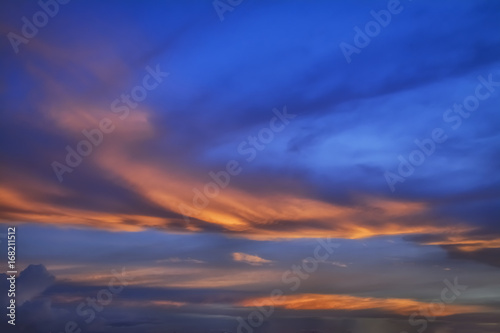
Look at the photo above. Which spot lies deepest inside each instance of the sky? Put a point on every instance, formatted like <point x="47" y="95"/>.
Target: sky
<point x="251" y="166"/>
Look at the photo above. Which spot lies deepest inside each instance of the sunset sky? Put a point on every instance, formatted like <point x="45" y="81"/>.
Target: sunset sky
<point x="251" y="166"/>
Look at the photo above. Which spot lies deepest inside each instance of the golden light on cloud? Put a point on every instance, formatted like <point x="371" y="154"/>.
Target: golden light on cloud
<point x="277" y="217"/>
<point x="168" y="275"/>
<point x="168" y="186"/>
<point x="168" y="304"/>
<point x="355" y="303"/>
<point x="468" y="244"/>
<point x="250" y="259"/>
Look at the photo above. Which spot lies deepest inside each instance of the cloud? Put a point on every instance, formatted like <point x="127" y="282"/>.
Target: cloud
<point x="320" y="177"/>
<point x="30" y="282"/>
<point x="356" y="303"/>
<point x="336" y="263"/>
<point x="144" y="305"/>
<point x="178" y="260"/>
<point x="479" y="244"/>
<point x="250" y="259"/>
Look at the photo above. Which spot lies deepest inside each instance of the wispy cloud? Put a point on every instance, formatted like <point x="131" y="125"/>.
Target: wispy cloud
<point x="356" y="303"/>
<point x="250" y="259"/>
<point x="179" y="260"/>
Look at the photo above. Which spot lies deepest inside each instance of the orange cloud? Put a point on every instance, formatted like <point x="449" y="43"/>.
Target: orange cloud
<point x="237" y="212"/>
<point x="173" y="276"/>
<point x="168" y="304"/>
<point x="466" y="243"/>
<point x="250" y="259"/>
<point x="354" y="303"/>
<point x="167" y="184"/>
